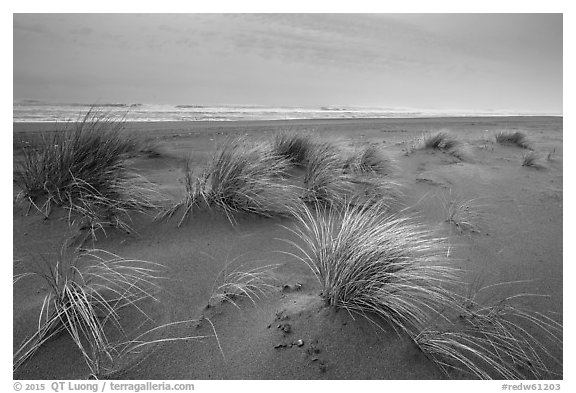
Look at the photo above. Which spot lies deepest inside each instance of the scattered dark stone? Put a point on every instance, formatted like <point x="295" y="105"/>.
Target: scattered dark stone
<point x="268" y="327"/>
<point x="281" y="317"/>
<point x="278" y="346"/>
<point x="314" y="359"/>
<point x="299" y="343"/>
<point x="287" y="328"/>
<point x="313" y="349"/>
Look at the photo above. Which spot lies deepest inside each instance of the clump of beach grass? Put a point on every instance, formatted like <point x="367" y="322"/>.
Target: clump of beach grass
<point x="442" y="141"/>
<point x="370" y="160"/>
<point x="531" y="160"/>
<point x="331" y="179"/>
<point x="501" y="340"/>
<point x="293" y="146"/>
<point x="516" y="138"/>
<point x="83" y="168"/>
<point x="241" y="177"/>
<point x="375" y="264"/>
<point x="463" y="213"/>
<point x="231" y="284"/>
<point x="370" y="262"/>
<point x="87" y="290"/>
<point x="325" y="180"/>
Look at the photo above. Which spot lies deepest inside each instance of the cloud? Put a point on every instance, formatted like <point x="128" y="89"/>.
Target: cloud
<point x="251" y="55"/>
<point x="360" y="42"/>
<point x="81" y="31"/>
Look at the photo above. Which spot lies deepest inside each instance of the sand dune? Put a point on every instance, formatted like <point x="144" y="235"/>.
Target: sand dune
<point x="515" y="235"/>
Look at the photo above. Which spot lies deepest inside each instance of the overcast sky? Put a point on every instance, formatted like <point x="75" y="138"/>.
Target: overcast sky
<point x="439" y="61"/>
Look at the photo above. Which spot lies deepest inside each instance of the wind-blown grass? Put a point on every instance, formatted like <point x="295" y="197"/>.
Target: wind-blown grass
<point x="329" y="179"/>
<point x="516" y="138"/>
<point x="464" y="214"/>
<point x="241" y="177"/>
<point x="86" y="293"/>
<point x="500" y="340"/>
<point x="236" y="283"/>
<point x="369" y="262"/>
<point x="83" y="169"/>
<point x="439" y="140"/>
<point x="147" y="338"/>
<point x="443" y="141"/>
<point x="531" y="160"/>
<point x="293" y="146"/>
<point x="325" y="180"/>
<point x="370" y="160"/>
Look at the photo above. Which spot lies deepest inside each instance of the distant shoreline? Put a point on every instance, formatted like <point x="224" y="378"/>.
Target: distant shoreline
<point x="349" y="119"/>
<point x="44" y="113"/>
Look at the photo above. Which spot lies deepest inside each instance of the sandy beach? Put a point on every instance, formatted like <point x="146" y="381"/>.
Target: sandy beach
<point x="516" y="239"/>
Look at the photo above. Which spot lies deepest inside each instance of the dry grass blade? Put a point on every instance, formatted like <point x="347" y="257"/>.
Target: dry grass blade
<point x="20" y="276"/>
<point x="148" y="338"/>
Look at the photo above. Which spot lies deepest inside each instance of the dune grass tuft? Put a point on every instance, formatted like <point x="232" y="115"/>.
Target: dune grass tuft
<point x="372" y="263"/>
<point x="330" y="179"/>
<point x="496" y="341"/>
<point x="463" y="213"/>
<point x="369" y="262"/>
<point x="516" y="138"/>
<point x="293" y="146"/>
<point x="370" y="160"/>
<point x="83" y="169"/>
<point x="87" y="290"/>
<point x="531" y="160"/>
<point x="325" y="180"/>
<point x="438" y="141"/>
<point x="241" y="177"/>
<point x="231" y="284"/>
<point x="443" y="141"/>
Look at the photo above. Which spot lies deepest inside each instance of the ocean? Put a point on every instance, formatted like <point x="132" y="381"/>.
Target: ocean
<point x="35" y="111"/>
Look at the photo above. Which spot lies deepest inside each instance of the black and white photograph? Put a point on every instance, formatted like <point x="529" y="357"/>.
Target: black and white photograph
<point x="208" y="196"/>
